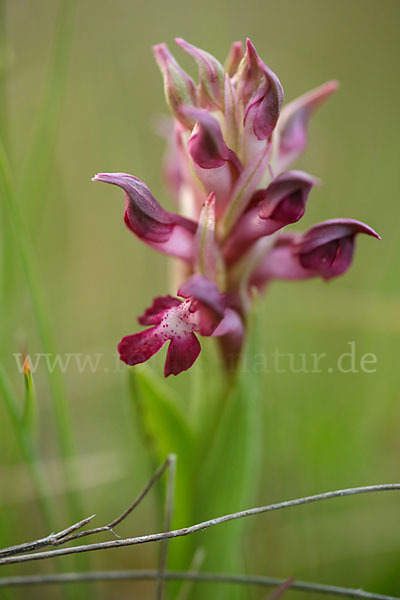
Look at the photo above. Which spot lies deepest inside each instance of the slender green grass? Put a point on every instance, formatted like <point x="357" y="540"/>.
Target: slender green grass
<point x="3" y="67"/>
<point x="39" y="162"/>
<point x="56" y="385"/>
<point x="35" y="181"/>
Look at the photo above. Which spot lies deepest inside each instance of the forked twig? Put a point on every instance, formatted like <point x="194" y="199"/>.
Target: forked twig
<point x="67" y="535"/>
<point x="52" y="539"/>
<point x="158" y="537"/>
<point x="302" y="586"/>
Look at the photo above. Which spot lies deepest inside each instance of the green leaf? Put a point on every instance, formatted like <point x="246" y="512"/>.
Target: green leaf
<point x="167" y="431"/>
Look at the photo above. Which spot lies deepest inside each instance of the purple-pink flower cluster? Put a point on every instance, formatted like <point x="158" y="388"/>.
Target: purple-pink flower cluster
<point x="229" y="148"/>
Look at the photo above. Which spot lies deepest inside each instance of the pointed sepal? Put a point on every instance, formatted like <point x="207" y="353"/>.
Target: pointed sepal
<point x="292" y="129"/>
<point x="167" y="232"/>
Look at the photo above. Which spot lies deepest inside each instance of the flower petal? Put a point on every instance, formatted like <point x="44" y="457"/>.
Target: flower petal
<point x="292" y="129"/>
<point x="264" y="107"/>
<point x="231" y="335"/>
<point x="334" y="229"/>
<point x="206" y="144"/>
<point x="233" y="59"/>
<point x="137" y="348"/>
<point x="208" y="301"/>
<point x="200" y="288"/>
<point x="154" y="314"/>
<point x="208" y="255"/>
<point x="282" y="203"/>
<point x="233" y="112"/>
<point x="182" y="353"/>
<point x="245" y="187"/>
<point x="326" y="250"/>
<point x="167" y="232"/>
<point x="214" y="163"/>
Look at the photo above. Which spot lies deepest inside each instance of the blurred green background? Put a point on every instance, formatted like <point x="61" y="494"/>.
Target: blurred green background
<point x="80" y="93"/>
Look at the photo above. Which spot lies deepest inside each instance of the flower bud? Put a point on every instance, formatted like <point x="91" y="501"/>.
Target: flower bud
<point x="179" y="88"/>
<point x="211" y="74"/>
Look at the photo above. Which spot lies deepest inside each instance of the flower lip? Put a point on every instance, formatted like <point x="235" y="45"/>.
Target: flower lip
<point x="154" y="314"/>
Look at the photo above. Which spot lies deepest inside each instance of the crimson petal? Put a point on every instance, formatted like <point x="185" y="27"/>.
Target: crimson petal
<point x="182" y="353"/>
<point x="139" y="347"/>
<point x="154" y="314"/>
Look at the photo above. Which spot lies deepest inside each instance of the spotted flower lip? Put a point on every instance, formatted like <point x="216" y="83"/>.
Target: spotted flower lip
<point x="201" y="311"/>
<point x="229" y="145"/>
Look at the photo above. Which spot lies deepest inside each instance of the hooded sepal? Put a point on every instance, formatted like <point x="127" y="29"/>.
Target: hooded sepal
<point x="283" y="202"/>
<point x="216" y="166"/>
<point x="264" y="107"/>
<point x="206" y="145"/>
<point x="325" y="250"/>
<point x="261" y="93"/>
<point x="167" y="232"/>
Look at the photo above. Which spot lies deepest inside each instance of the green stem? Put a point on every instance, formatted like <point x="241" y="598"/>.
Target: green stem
<point x="27" y="449"/>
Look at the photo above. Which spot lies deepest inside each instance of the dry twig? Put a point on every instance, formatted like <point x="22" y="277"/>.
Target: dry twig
<point x="158" y="537"/>
<point x="67" y="535"/>
<point x="302" y="586"/>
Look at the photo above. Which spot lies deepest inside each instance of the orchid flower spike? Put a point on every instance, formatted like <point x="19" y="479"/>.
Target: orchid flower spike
<point x="229" y="146"/>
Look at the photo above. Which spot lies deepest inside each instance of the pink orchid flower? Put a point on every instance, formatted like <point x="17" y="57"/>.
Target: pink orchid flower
<point x="229" y="146"/>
